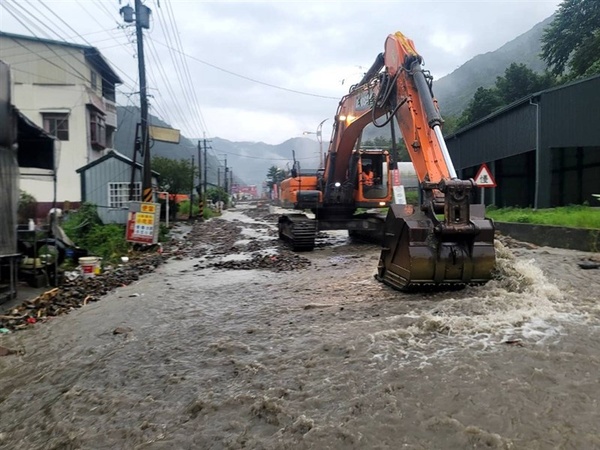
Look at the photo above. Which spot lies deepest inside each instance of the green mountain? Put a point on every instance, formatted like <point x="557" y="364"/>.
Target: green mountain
<point x="455" y="90"/>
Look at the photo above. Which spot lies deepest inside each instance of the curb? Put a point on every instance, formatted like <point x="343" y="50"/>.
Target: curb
<point x="583" y="239"/>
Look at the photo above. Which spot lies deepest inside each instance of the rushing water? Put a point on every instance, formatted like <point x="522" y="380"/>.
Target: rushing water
<point x="324" y="357"/>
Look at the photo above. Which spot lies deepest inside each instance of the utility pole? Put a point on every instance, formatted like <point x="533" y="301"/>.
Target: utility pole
<point x="199" y="187"/>
<point x="192" y="191"/>
<point x="218" y="177"/>
<point x="142" y="20"/>
<point x="225" y="177"/>
<point x="205" y="170"/>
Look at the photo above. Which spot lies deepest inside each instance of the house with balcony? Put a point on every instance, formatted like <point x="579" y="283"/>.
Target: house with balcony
<point x="69" y="91"/>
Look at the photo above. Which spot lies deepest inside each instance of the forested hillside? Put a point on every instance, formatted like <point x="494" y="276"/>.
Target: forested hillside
<point x="455" y="90"/>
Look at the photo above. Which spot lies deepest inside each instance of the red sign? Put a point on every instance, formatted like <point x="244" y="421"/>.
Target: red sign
<point x="395" y="177"/>
<point x="251" y="191"/>
<point x="484" y="177"/>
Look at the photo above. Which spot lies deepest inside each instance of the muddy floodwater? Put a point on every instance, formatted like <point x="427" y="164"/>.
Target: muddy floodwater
<point x="319" y="357"/>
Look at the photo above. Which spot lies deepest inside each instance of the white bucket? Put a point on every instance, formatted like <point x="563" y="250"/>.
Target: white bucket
<point x="88" y="266"/>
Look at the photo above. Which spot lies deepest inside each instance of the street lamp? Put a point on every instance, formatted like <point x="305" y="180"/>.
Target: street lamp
<point x="320" y="139"/>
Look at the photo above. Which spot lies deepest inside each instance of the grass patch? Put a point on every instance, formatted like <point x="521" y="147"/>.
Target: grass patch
<point x="576" y="216"/>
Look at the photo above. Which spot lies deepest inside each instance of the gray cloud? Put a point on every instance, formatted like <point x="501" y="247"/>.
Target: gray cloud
<point x="304" y="46"/>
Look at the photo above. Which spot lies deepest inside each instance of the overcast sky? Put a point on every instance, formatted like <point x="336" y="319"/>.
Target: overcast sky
<point x="268" y="71"/>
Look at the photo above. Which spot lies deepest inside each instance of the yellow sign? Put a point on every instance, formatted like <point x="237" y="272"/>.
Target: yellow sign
<point x="164" y="134"/>
<point x="148" y="208"/>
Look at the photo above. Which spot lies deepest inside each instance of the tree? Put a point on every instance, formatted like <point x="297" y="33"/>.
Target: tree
<point x="176" y="176"/>
<point x="398" y="154"/>
<point x="275" y="175"/>
<point x="572" y="41"/>
<point x="484" y="102"/>
<point x="519" y="81"/>
<point x="450" y="125"/>
<point x="217" y="194"/>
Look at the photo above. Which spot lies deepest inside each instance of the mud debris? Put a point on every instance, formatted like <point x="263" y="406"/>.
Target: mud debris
<point x="76" y="293"/>
<point x="217" y="238"/>
<point x="211" y="240"/>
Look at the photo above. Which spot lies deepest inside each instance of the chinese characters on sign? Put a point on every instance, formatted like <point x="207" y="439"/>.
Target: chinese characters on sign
<point x="484" y="177"/>
<point x="143" y="223"/>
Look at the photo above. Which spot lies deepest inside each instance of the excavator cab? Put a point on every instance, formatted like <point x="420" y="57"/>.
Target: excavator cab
<point x="373" y="180"/>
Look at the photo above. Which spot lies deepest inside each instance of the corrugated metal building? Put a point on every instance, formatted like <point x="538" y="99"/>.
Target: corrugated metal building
<point x="106" y="183"/>
<point x="543" y="150"/>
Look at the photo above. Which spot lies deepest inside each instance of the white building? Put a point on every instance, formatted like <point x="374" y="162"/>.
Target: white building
<point x="69" y="90"/>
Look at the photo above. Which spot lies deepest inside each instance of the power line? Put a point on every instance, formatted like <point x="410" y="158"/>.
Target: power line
<point x="263" y="158"/>
<point x="181" y="69"/>
<point x="253" y="79"/>
<point x="76" y="73"/>
<point x="186" y="67"/>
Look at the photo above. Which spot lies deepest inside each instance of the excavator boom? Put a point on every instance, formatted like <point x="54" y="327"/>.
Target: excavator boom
<point x="446" y="240"/>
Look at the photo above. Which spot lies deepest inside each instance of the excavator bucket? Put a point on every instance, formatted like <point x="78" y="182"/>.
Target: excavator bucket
<point x="418" y="252"/>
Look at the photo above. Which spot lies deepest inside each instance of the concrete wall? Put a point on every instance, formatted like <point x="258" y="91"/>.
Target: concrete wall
<point x="584" y="239"/>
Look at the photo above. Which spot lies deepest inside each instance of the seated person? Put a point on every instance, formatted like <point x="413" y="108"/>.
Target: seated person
<point x="367" y="176"/>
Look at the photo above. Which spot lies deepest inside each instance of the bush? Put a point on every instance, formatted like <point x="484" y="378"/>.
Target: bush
<point x="184" y="209"/>
<point x="86" y="230"/>
<point x="107" y="241"/>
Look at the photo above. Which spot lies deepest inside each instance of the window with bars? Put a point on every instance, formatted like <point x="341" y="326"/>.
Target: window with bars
<point x="57" y="125"/>
<point x="118" y="194"/>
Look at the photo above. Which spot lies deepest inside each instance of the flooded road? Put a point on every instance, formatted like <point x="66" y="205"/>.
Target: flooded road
<point x="320" y="357"/>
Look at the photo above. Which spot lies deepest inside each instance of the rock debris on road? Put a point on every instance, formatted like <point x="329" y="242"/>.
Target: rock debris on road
<point x="310" y="354"/>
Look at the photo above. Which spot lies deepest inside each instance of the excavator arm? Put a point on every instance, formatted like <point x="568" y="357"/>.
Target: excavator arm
<point x="446" y="240"/>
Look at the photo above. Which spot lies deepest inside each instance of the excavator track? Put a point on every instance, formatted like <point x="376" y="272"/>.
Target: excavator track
<point x="419" y="254"/>
<point x="299" y="231"/>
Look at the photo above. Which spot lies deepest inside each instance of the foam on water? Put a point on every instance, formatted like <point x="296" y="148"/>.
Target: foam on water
<point x="519" y="293"/>
<point x="519" y="303"/>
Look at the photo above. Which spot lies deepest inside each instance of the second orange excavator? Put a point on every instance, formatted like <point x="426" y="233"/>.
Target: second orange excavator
<point x="445" y="240"/>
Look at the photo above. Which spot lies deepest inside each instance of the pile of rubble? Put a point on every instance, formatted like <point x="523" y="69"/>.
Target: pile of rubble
<point x="78" y="292"/>
<point x="218" y="238"/>
<point x="277" y="263"/>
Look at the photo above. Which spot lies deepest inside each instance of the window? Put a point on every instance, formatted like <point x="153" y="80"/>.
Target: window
<point x="97" y="130"/>
<point x="94" y="81"/>
<point x="108" y="90"/>
<point x="57" y="125"/>
<point x="118" y="194"/>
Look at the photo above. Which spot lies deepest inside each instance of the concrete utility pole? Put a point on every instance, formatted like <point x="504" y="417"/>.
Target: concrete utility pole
<point x="142" y="20"/>
<point x="199" y="187"/>
<point x="192" y="191"/>
<point x="205" y="169"/>
<point x="225" y="177"/>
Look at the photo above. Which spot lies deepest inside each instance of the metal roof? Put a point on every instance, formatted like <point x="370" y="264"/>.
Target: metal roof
<point x="517" y="103"/>
<point x="112" y="154"/>
<point x="91" y="53"/>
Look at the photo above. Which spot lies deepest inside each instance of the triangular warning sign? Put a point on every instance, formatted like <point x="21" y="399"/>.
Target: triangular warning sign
<point x="484" y="177"/>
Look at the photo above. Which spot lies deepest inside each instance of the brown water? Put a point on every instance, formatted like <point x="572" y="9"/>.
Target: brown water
<point x="323" y="358"/>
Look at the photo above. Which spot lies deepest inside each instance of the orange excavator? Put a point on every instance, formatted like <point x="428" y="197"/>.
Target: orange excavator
<point x="446" y="240"/>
